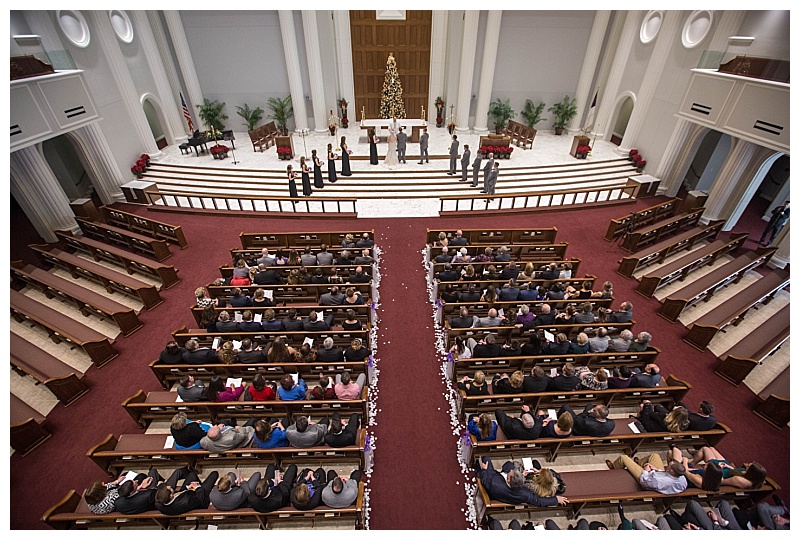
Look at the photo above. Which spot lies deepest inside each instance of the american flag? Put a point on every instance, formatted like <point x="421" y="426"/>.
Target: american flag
<point x="186" y="114"/>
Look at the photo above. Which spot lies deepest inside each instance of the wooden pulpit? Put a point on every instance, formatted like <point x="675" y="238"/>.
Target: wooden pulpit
<point x="578" y="140"/>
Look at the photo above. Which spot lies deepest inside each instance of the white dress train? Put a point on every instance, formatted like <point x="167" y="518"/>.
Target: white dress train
<point x="391" y="160"/>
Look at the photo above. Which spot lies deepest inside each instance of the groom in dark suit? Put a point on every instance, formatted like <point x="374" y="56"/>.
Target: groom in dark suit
<point x="401" y="145"/>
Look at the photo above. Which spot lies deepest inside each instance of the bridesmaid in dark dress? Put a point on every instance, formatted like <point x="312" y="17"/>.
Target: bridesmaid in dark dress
<point x="373" y="147"/>
<point x="306" y="181"/>
<point x="317" y="170"/>
<point x="345" y="159"/>
<point x="331" y="165"/>
<point x="292" y="185"/>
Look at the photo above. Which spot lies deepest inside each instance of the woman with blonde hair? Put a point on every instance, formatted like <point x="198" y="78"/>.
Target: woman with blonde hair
<point x="542" y="483"/>
<point x="227" y="353"/>
<point x="607" y="292"/>
<point x="443" y="241"/>
<point x="356" y="352"/>
<point x="505" y="384"/>
<point x="203" y="299"/>
<point x="469" y="274"/>
<point x="476" y="386"/>
<point x="260" y="299"/>
<point x="349" y="241"/>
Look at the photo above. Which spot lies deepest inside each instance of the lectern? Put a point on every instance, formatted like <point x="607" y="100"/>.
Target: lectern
<point x="578" y="140"/>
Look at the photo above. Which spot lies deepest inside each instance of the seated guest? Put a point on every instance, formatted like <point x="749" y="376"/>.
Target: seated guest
<point x="503" y="384"/>
<point x="307" y="492"/>
<point x="448" y="294"/>
<point x="342" y="432"/>
<point x="208" y="319"/>
<point x="195" y="354"/>
<point x="567" y="316"/>
<point x="491" y="320"/>
<point x="280" y="259"/>
<point x="565" y="271"/>
<point x="203" y="299"/>
<point x="270" y="495"/>
<point x="461" y="256"/>
<point x="483" y="427"/>
<point x="509" y="272"/>
<point x="641" y="342"/>
<point x="138" y="495"/>
<point x="231" y="492"/>
<point x="537" y="381"/>
<point x="314" y="324"/>
<point x="647" y="378"/>
<point x="623" y="315"/>
<point x="580" y="345"/>
<point x="472" y="294"/>
<point x="558" y="347"/>
<point x="305" y="434"/>
<point x="247" y="324"/>
<point x="703" y="419"/>
<point x="190" y="389"/>
<point x="172" y="353"/>
<point x="510" y="348"/>
<point x="476" y="386"/>
<point x="489" y="295"/>
<point x="260" y="390"/>
<point x="269" y="323"/>
<point x="565" y="382"/>
<point x="266" y="259"/>
<point x="217" y="391"/>
<point x="305" y="354"/>
<point x="545" y="318"/>
<point x="651" y="473"/>
<point x="260" y="300"/>
<point x="332" y="298"/>
<point x="491" y="273"/>
<point x="192" y="495"/>
<point x="225" y="324"/>
<point x="526" y="293"/>
<point x="292" y="323"/>
<point x="351" y="321"/>
<point x="656" y="418"/>
<point x="443" y="257"/>
<point x="464" y="319"/>
<point x="101" y="496"/>
<point x="486" y="348"/>
<point x="291" y="391"/>
<point x="365" y="241"/>
<point x="227" y="353"/>
<point x="621" y="378"/>
<point x="356" y="352"/>
<point x="448" y="274"/>
<point x="585" y="315"/>
<point x="597" y="380"/>
<point x="349" y="241"/>
<point x="592" y="422"/>
<point x="221" y="438"/>
<point x="238" y="299"/>
<point x="599" y="343"/>
<point x="534" y="346"/>
<point x="328" y="353"/>
<point x="187" y="433"/>
<point x="607" y="292"/>
<point x="510" y="291"/>
<point x="524" y="316"/>
<point x="486" y="256"/>
<point x="270" y="434"/>
<point x="346" y="389"/>
<point x="622" y="343"/>
<point x="323" y="391"/>
<point x="319" y="278"/>
<point x="308" y="258"/>
<point x="556" y="428"/>
<point x="549" y="272"/>
<point x="511" y="488"/>
<point x="341" y="491"/>
<point x="469" y="274"/>
<point x="360" y="276"/>
<point x="324" y="258"/>
<point x="503" y="255"/>
<point x="526" y="427"/>
<point x="750" y="476"/>
<point x="557" y="291"/>
<point x="248" y="354"/>
<point x="353" y="298"/>
<point x="268" y="276"/>
<point x="458" y="239"/>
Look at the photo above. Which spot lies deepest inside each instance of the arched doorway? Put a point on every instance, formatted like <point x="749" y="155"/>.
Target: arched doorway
<point x="65" y="162"/>
<point x="768" y="188"/>
<point x="624" y="112"/>
<point x="707" y="161"/>
<point x="152" y="112"/>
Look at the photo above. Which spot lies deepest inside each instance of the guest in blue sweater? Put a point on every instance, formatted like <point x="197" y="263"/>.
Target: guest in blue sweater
<point x="289" y="391"/>
<point x="270" y="434"/>
<point x="482" y="427"/>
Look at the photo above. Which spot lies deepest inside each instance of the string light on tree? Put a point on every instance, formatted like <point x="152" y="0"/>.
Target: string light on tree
<point x="392" y="93"/>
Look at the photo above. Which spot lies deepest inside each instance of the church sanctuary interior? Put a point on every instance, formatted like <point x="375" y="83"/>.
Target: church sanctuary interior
<point x="399" y="269"/>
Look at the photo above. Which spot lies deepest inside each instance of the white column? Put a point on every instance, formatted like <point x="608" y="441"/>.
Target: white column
<point x="170" y="104"/>
<point x="172" y="75"/>
<point x="469" y="43"/>
<point x="783" y="243"/>
<point x="674" y="154"/>
<point x="438" y="56"/>
<point x="39" y="194"/>
<point x="630" y="31"/>
<point x="289" y="38"/>
<point x="106" y="174"/>
<point x="721" y="196"/>
<point x="670" y="28"/>
<point x="585" y="93"/>
<point x="487" y="71"/>
<point x="311" y="36"/>
<point x="123" y="82"/>
<point x="194" y="95"/>
<point x="344" y="61"/>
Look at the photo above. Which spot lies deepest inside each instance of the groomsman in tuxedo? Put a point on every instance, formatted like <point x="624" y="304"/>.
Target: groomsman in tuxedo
<point x="464" y="163"/>
<point x="423" y="146"/>
<point x="453" y="155"/>
<point x="487" y="169"/>
<point x="476" y="167"/>
<point x="492" y="180"/>
<point x="401" y="145"/>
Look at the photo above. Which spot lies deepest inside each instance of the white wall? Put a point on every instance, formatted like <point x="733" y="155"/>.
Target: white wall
<point x="771" y="32"/>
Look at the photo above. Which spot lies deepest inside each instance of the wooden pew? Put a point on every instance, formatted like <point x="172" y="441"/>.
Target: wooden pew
<point x="773" y="401"/>
<point x="642" y="218"/>
<point x="621" y="439"/>
<point x="85" y="300"/>
<point x="738" y="361"/>
<point x="607" y="488"/>
<point x="497" y="237"/>
<point x="520" y="134"/>
<point x="705" y="287"/>
<point x="520" y="253"/>
<point x="657" y="253"/>
<point x="131" y="262"/>
<point x="252" y="254"/>
<point x="133" y="450"/>
<point x="299" y="239"/>
<point x="363" y="312"/>
<point x="72" y="512"/>
<point x="62" y="328"/>
<point x="341" y="338"/>
<point x="61" y="379"/>
<point x="290" y="293"/>
<point x="112" y="280"/>
<point x="670" y="391"/>
<point x="138" y="243"/>
<point x="344" y="270"/>
<point x="734" y="310"/>
<point x="28" y="429"/>
<point x="574" y="281"/>
<point x="682" y="267"/>
<point x="162" y="405"/>
<point x="481" y="267"/>
<point x="169" y="374"/>
<point x="509" y="364"/>
<point x="146" y="226"/>
<point x="662" y="229"/>
<point x="481" y="309"/>
<point x="505" y="333"/>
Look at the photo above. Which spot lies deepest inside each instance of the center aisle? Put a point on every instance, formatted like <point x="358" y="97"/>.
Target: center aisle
<point x="416" y="481"/>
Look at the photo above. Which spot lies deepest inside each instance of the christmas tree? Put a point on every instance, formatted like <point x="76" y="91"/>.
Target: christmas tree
<point x="392" y="94"/>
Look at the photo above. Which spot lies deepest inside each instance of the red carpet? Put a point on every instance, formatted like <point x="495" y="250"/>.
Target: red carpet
<point x="415" y="448"/>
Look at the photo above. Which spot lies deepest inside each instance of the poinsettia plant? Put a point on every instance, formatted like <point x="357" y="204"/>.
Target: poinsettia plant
<point x="439" y="102"/>
<point x="583" y="149"/>
<point x="633" y="152"/>
<point x="218" y="149"/>
<point x="137" y="170"/>
<point x="284" y="150"/>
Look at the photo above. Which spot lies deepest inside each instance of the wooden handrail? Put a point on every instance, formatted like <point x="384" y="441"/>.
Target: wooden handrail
<point x="171" y="198"/>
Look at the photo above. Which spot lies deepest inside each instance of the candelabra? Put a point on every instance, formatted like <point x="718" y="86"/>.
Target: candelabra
<point x="304" y="133"/>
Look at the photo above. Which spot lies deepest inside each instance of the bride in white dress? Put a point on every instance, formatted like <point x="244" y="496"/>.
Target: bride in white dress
<point x="391" y="160"/>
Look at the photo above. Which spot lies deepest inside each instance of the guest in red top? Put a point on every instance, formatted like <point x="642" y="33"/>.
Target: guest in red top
<point x="260" y="390"/>
<point x="218" y="392"/>
<point x="323" y="391"/>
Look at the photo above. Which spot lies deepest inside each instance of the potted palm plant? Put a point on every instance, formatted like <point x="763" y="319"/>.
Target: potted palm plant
<point x="281" y="110"/>
<point x="250" y="116"/>
<point x="532" y="113"/>
<point x="563" y="111"/>
<point x="211" y="114"/>
<point x="500" y="112"/>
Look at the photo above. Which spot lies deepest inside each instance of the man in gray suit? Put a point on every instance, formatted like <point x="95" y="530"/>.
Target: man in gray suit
<point x="423" y="146"/>
<point x="221" y="438"/>
<point x="401" y="145"/>
<point x="231" y="493"/>
<point x="464" y="163"/>
<point x="453" y="155"/>
<point x="486" y="170"/>
<point x="305" y="434"/>
<point x="492" y="180"/>
<point x="191" y="390"/>
<point x="476" y="167"/>
<point x="341" y="491"/>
